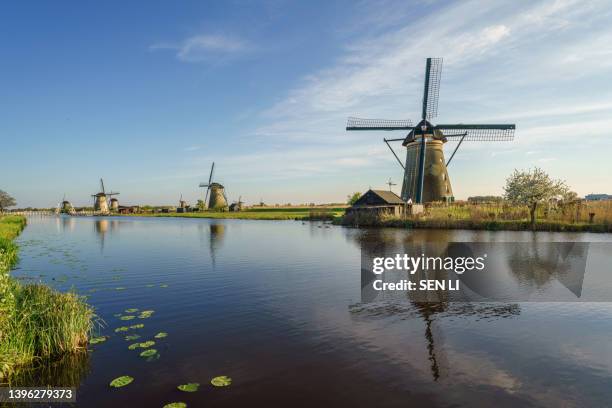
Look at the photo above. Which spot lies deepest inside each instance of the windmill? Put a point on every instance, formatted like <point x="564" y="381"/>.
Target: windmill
<point x="390" y="183"/>
<point x="425" y="172"/>
<point x="182" y="203"/>
<point x="218" y="200"/>
<point x="100" y="199"/>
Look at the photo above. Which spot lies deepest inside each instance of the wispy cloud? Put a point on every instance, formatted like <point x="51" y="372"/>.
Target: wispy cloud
<point x="204" y="47"/>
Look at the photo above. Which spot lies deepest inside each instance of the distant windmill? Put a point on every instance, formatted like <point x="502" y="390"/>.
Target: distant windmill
<point x="390" y="183"/>
<point x="425" y="172"/>
<point x="218" y="200"/>
<point x="65" y="207"/>
<point x="182" y="203"/>
<point x="100" y="199"/>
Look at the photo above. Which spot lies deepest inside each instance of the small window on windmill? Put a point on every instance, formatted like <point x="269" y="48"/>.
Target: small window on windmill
<point x="447" y="188"/>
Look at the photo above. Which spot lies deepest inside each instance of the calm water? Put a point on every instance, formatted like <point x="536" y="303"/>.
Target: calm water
<point x="277" y="307"/>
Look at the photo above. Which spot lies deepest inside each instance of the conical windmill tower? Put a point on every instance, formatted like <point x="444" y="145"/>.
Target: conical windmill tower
<point x="101" y="203"/>
<point x="182" y="203"/>
<point x="66" y="207"/>
<point x="218" y="200"/>
<point x="425" y="172"/>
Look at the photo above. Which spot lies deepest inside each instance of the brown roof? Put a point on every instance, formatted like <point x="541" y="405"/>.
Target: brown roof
<point x="388" y="196"/>
<point x="378" y="197"/>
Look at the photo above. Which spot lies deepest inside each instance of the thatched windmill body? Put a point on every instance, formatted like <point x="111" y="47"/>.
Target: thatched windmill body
<point x="425" y="170"/>
<point x="101" y="199"/>
<point x="216" y="191"/>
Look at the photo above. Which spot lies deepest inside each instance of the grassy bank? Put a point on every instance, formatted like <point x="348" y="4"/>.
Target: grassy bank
<point x="35" y="320"/>
<point x="265" y="213"/>
<point x="577" y="217"/>
<point x="525" y="225"/>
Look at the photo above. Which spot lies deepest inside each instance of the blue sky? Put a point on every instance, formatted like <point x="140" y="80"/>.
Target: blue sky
<point x="148" y="94"/>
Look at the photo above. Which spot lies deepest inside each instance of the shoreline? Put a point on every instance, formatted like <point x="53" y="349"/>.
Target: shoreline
<point x="62" y="321"/>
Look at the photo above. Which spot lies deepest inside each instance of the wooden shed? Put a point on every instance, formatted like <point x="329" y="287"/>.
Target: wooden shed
<point x="379" y="202"/>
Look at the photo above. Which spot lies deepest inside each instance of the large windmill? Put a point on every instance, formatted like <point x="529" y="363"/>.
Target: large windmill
<point x="100" y="199"/>
<point x="218" y="200"/>
<point x="425" y="172"/>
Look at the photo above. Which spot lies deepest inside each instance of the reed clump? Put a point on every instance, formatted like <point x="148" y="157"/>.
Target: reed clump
<point x="36" y="321"/>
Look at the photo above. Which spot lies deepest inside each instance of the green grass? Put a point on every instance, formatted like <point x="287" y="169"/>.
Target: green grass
<point x="35" y="321"/>
<point x="265" y="213"/>
<point x="575" y="217"/>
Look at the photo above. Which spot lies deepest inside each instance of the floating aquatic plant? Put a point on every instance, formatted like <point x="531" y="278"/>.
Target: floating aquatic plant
<point x="161" y="335"/>
<point x="120" y="288"/>
<point x="163" y="285"/>
<point x="121" y="381"/>
<point x="190" y="387"/>
<point x="132" y="310"/>
<point x="132" y="337"/>
<point x="145" y="314"/>
<point x="175" y="405"/>
<point x="122" y="329"/>
<point x="148" y="353"/>
<point x="96" y="340"/>
<point x="133" y="346"/>
<point x="128" y="317"/>
<point x="137" y="326"/>
<point x="221" y="381"/>
<point x="147" y="344"/>
<point x="149" y="285"/>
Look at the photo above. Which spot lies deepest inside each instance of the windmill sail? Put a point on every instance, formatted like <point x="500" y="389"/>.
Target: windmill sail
<point x="431" y="91"/>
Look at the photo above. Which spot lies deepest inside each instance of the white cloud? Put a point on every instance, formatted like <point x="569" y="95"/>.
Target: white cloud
<point x="205" y="47"/>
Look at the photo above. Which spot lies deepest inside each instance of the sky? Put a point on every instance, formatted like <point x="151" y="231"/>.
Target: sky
<point x="148" y="94"/>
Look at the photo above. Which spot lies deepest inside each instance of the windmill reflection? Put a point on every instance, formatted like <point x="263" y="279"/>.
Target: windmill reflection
<point x="217" y="233"/>
<point x="428" y="306"/>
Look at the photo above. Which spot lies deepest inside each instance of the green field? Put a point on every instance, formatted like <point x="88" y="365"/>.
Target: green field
<point x="265" y="213"/>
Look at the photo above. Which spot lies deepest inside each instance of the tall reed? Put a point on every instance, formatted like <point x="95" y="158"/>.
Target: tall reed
<point x="35" y="321"/>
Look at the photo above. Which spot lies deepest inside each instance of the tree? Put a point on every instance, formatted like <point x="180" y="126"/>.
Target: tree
<point x="201" y="206"/>
<point x="532" y="187"/>
<point x="352" y="198"/>
<point x="6" y="200"/>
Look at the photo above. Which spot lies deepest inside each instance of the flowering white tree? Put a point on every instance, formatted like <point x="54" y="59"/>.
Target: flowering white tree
<point x="532" y="187"/>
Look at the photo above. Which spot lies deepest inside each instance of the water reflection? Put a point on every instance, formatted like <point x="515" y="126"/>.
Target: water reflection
<point x="217" y="234"/>
<point x="68" y="371"/>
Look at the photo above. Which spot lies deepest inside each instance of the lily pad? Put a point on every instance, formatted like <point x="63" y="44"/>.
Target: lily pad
<point x="96" y="340"/>
<point x="121" y="329"/>
<point x="132" y="337"/>
<point x="175" y="405"/>
<point x="190" y="387"/>
<point x="150" y="285"/>
<point x="137" y="326"/>
<point x="147" y="344"/>
<point x="161" y="335"/>
<point x="148" y="353"/>
<point x="120" y="288"/>
<point x="145" y="314"/>
<point x="163" y="285"/>
<point x="129" y="317"/>
<point x="132" y="310"/>
<point x="121" y="381"/>
<point x="221" y="381"/>
<point x="133" y="346"/>
<point x="117" y="315"/>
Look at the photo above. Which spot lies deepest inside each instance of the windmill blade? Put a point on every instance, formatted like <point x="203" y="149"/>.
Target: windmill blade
<point x="204" y="185"/>
<point x="206" y="197"/>
<point x="480" y="133"/>
<point x="212" y="169"/>
<point x="431" y="90"/>
<point x="378" y="124"/>
<point x="102" y="185"/>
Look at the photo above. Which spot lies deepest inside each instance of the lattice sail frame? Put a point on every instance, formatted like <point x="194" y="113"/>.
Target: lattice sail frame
<point x="478" y="133"/>
<point x="433" y="87"/>
<point x="378" y="124"/>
